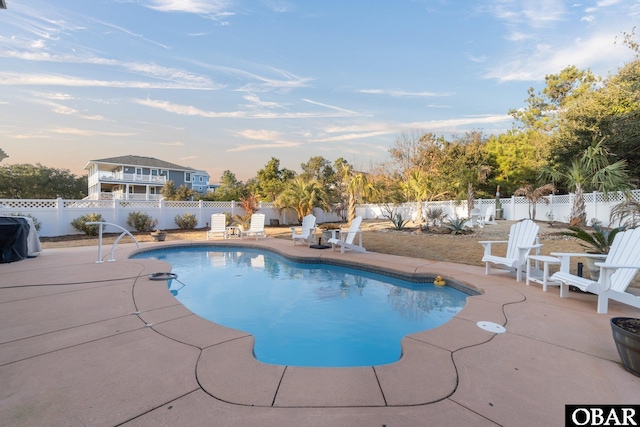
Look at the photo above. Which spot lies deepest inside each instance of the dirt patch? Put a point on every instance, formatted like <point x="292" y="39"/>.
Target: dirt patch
<point x="377" y="236"/>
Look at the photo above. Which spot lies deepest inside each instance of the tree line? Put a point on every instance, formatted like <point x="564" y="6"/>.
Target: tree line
<point x="579" y="133"/>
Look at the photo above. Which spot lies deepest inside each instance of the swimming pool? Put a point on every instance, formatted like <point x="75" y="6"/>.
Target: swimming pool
<point x="306" y="314"/>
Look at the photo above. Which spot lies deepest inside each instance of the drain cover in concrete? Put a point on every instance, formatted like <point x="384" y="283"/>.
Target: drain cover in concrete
<point x="491" y="327"/>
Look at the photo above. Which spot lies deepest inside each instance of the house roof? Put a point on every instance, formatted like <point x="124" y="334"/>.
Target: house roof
<point x="131" y="160"/>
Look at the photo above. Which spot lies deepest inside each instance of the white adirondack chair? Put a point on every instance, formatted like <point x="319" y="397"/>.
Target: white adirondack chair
<point x="345" y="238"/>
<point x="306" y="231"/>
<point x="522" y="238"/>
<point x="488" y="217"/>
<point x="218" y="226"/>
<point x="616" y="272"/>
<point x="256" y="228"/>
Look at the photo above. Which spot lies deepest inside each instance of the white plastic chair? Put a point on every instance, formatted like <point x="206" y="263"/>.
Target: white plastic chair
<point x="346" y="238"/>
<point x="256" y="228"/>
<point x="616" y="272"/>
<point x="522" y="238"/>
<point x="218" y="226"/>
<point x="306" y="231"/>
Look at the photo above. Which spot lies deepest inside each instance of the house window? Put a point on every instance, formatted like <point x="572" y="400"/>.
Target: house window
<point x="164" y="173"/>
<point x="139" y="171"/>
<point x="201" y="178"/>
<point x="154" y="172"/>
<point x="187" y="177"/>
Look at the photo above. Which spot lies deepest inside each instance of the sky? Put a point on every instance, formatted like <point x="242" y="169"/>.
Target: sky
<point x="228" y="84"/>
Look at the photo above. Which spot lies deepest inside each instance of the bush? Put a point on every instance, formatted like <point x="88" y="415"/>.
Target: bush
<point x="186" y="222"/>
<point x="80" y="224"/>
<point x="456" y="225"/>
<point x="141" y="221"/>
<point x="398" y="222"/>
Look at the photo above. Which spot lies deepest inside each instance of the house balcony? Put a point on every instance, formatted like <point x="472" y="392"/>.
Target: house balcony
<point x="131" y="177"/>
<point x="124" y="196"/>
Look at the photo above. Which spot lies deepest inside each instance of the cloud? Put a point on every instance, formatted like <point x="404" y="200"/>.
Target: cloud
<point x="18" y="79"/>
<point x="279" y="6"/>
<point x="374" y="129"/>
<point x="256" y="102"/>
<point x="453" y="124"/>
<point x="285" y="83"/>
<point x="188" y="110"/>
<point x="86" y="132"/>
<point x="396" y="93"/>
<point x="275" y="144"/>
<point x="606" y="3"/>
<point x="358" y="135"/>
<point x="272" y="140"/>
<point x="131" y="33"/>
<point x="204" y="7"/>
<point x="591" y="52"/>
<point x="349" y="112"/>
<point x="534" y="13"/>
<point x="185" y="110"/>
<point x="172" y="74"/>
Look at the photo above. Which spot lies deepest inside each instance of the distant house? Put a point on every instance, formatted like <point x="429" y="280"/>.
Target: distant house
<point x="139" y="178"/>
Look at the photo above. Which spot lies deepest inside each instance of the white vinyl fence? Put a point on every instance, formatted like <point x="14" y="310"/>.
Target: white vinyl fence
<point x="55" y="215"/>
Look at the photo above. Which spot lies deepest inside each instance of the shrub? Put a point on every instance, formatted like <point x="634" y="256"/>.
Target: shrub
<point x="141" y="221"/>
<point x="398" y="222"/>
<point x="456" y="225"/>
<point x="186" y="222"/>
<point x="80" y="223"/>
<point x="435" y="215"/>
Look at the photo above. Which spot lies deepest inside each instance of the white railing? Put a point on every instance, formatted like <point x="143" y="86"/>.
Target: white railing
<point x="122" y="196"/>
<point x="113" y="247"/>
<point x="55" y="215"/>
<point x="131" y="177"/>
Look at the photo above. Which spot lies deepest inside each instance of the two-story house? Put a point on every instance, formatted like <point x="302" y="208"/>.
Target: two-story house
<point x="139" y="178"/>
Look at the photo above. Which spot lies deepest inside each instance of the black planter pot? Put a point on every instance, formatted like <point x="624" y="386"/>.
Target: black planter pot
<point x="628" y="345"/>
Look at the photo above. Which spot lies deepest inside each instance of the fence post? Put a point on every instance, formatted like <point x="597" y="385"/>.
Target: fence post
<point x="161" y="226"/>
<point x="116" y="212"/>
<point x="595" y="205"/>
<point x="233" y="204"/>
<point x="201" y="214"/>
<point x="59" y="216"/>
<point x="513" y="208"/>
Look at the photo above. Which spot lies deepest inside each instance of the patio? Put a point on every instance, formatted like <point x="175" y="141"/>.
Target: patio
<point x="83" y="343"/>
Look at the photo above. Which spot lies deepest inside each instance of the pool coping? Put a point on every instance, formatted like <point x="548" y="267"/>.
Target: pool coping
<point x="427" y="356"/>
<point x="83" y="343"/>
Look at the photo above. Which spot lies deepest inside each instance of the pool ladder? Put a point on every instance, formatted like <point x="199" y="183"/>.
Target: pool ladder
<point x="113" y="247"/>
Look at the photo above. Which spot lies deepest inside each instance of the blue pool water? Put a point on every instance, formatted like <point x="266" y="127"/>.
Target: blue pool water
<point x="306" y="314"/>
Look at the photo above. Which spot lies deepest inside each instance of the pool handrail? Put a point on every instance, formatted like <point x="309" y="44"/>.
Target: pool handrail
<point x="103" y="224"/>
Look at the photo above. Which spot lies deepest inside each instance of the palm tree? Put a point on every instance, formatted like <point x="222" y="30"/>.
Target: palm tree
<point x="356" y="186"/>
<point x="591" y="171"/>
<point x="303" y="196"/>
<point x="477" y="176"/>
<point x="535" y="195"/>
<point x="250" y="205"/>
<point x="627" y="213"/>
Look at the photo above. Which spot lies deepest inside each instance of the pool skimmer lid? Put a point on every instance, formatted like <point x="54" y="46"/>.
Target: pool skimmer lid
<point x="491" y="327"/>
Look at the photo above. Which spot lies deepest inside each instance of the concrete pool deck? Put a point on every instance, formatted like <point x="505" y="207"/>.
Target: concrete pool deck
<point x="83" y="343"/>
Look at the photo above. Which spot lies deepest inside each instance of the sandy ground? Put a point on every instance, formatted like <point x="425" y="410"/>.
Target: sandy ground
<point x="379" y="237"/>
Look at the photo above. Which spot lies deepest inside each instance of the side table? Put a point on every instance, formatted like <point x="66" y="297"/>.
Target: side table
<point x="232" y="232"/>
<point x="533" y="273"/>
